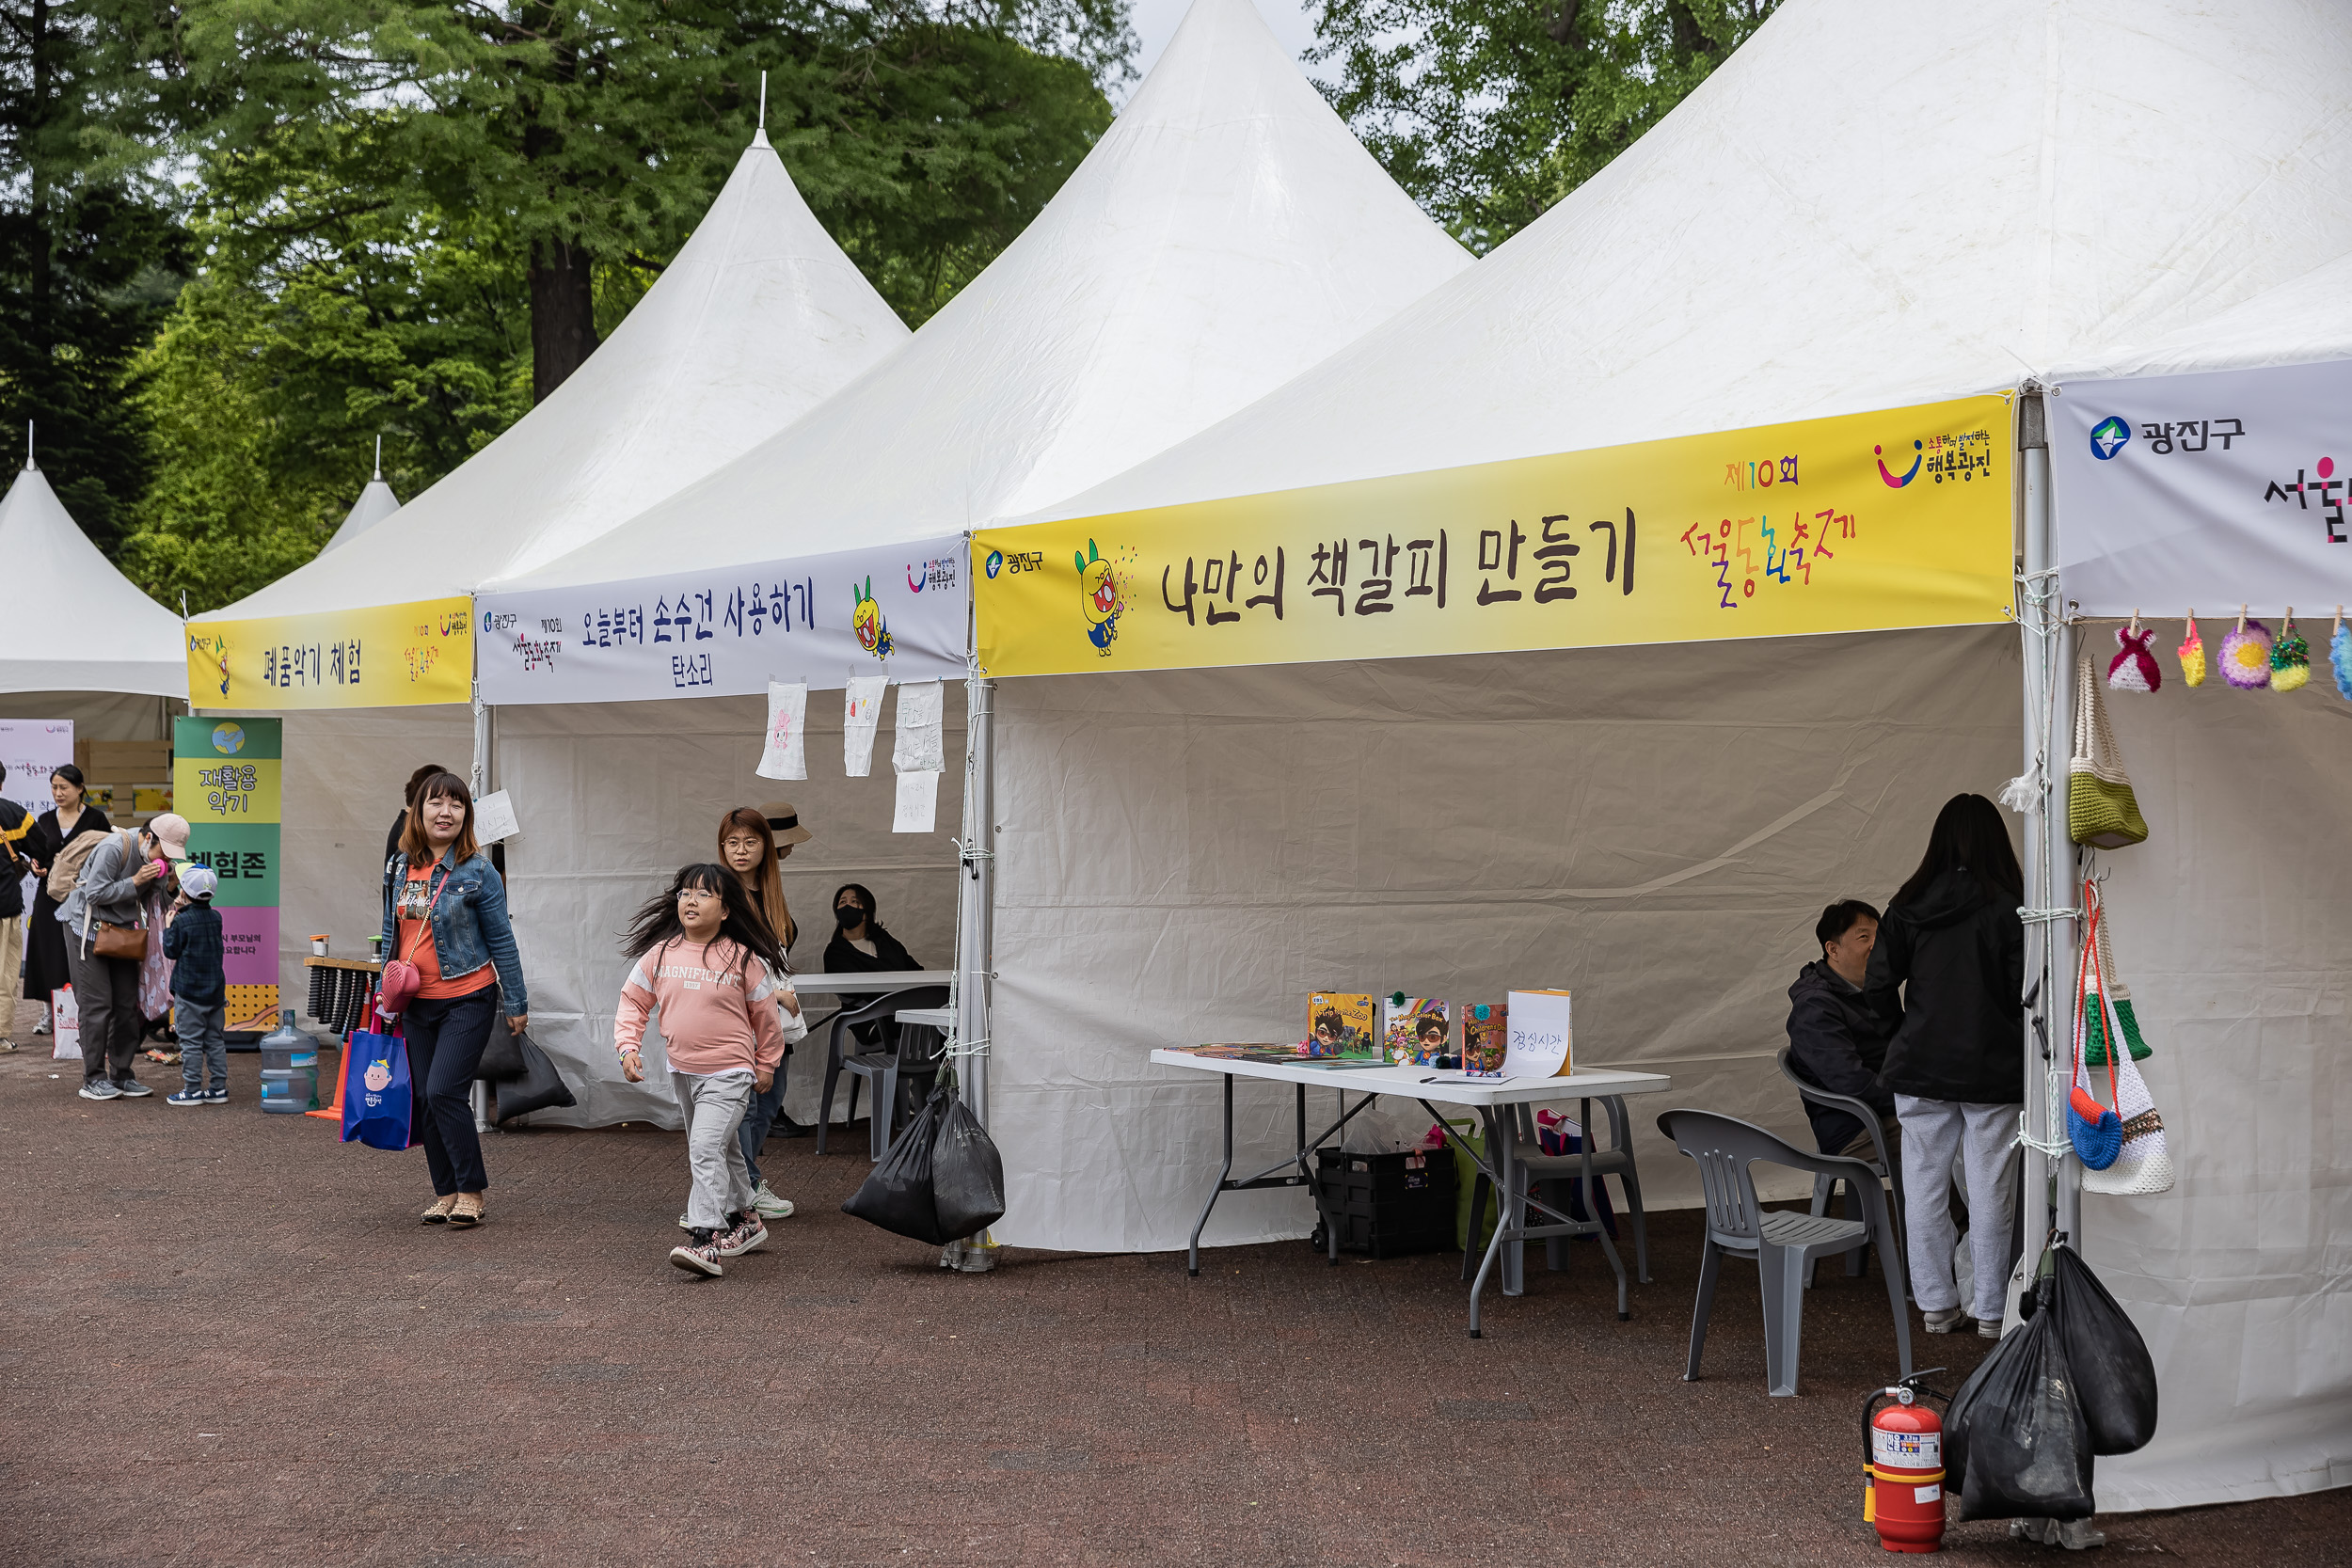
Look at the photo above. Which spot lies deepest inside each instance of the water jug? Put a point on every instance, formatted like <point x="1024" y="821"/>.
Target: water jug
<point x="290" y="1069"/>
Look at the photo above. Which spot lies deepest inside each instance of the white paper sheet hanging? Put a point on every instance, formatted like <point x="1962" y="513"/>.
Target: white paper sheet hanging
<point x="494" y="818"/>
<point x="918" y="804"/>
<point x="918" y="747"/>
<point x="861" y="714"/>
<point x="783" y="754"/>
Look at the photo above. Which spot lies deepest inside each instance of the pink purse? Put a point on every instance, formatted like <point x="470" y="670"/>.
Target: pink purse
<point x="401" y="978"/>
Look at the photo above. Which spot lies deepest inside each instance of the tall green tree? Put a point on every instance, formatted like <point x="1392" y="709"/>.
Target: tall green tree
<point x="89" y="251"/>
<point x="1490" y="111"/>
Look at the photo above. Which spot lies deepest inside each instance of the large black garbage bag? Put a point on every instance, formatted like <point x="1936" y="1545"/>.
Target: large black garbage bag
<point x="539" y="1086"/>
<point x="2114" y="1376"/>
<point x="2015" y="1443"/>
<point x="897" y="1196"/>
<point x="967" y="1174"/>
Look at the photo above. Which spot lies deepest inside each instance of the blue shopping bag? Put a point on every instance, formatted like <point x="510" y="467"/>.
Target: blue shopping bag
<point x="378" y="1102"/>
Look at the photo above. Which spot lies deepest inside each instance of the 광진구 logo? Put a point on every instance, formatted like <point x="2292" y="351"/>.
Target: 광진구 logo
<point x="2108" y="436"/>
<point x="996" y="563"/>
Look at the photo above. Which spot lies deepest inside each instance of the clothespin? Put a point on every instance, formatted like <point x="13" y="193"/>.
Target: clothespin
<point x="2339" y="618"/>
<point x="2135" y="621"/>
<point x="2241" y="617"/>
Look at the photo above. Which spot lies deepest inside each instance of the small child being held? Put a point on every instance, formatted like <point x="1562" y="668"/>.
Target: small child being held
<point x="199" y="994"/>
<point x="707" y="960"/>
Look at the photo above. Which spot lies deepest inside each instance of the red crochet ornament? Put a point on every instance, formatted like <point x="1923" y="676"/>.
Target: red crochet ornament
<point x="2135" y="668"/>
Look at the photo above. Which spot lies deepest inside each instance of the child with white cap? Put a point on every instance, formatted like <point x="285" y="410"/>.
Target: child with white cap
<point x="199" y="996"/>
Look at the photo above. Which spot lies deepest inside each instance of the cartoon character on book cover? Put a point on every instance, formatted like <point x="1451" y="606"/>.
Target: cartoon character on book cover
<point x="1419" y="1029"/>
<point x="1486" y="1038"/>
<point x="1339" y="1026"/>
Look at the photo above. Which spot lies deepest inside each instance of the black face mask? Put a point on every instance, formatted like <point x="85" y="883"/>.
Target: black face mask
<point x="849" y="915"/>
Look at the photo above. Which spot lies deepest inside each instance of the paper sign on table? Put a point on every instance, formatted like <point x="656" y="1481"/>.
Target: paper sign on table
<point x="861" y="714"/>
<point x="918" y="804"/>
<point x="783" y="754"/>
<point x="918" y="747"/>
<point x="1539" y="1046"/>
<point x="494" y="818"/>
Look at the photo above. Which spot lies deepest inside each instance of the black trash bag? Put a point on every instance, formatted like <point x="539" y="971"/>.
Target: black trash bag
<point x="539" y="1086"/>
<point x="967" y="1174"/>
<point x="897" y="1196"/>
<point x="502" y="1057"/>
<point x="2114" y="1376"/>
<point x="2015" y="1443"/>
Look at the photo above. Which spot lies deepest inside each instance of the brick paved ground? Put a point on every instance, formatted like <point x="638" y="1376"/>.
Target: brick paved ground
<point x="230" y="1342"/>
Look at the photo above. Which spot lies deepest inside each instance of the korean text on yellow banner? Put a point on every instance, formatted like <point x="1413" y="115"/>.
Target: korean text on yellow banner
<point x="1859" y="522"/>
<point x="387" y="655"/>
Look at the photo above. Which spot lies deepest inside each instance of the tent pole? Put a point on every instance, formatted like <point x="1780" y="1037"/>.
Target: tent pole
<point x="975" y="895"/>
<point x="479" y="782"/>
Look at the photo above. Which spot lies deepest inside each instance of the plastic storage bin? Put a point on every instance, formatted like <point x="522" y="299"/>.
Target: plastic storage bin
<point x="290" y="1069"/>
<point x="1388" y="1204"/>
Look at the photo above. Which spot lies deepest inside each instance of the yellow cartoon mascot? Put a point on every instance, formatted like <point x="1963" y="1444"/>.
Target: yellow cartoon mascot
<point x="1100" y="598"/>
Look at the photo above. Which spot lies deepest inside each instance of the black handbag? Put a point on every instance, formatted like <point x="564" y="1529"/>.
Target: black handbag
<point x="502" y="1057"/>
<point x="538" y="1087"/>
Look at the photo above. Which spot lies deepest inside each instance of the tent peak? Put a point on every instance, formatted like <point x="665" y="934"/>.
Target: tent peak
<point x="760" y="130"/>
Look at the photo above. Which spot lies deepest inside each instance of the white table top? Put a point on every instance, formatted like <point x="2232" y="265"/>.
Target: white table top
<point x="872" y="984"/>
<point x="1451" y="1089"/>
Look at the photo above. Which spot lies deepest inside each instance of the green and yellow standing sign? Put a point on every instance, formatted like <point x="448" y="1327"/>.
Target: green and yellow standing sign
<point x="226" y="779"/>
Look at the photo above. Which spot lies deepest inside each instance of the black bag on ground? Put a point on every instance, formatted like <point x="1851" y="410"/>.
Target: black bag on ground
<point x="967" y="1174"/>
<point x="898" y="1194"/>
<point x="539" y="1086"/>
<point x="2114" y="1376"/>
<point x="2015" y="1443"/>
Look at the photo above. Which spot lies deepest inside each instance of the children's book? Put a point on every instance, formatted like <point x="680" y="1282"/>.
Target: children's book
<point x="1340" y="1026"/>
<point x="1486" y="1038"/>
<point x="1539" y="1037"/>
<point x="1415" y="1030"/>
<point x="1245" y="1053"/>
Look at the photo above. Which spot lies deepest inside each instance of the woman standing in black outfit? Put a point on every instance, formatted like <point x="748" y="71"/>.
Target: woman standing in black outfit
<point x="45" y="938"/>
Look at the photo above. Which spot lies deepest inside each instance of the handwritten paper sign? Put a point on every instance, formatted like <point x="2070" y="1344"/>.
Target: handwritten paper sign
<point x="494" y="818"/>
<point x="1539" y="1045"/>
<point x="918" y="804"/>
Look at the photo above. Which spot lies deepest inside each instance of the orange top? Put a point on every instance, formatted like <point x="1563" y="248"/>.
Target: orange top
<point x="416" y="945"/>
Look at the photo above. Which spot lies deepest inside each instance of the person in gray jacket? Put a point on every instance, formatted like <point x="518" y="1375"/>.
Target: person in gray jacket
<point x="108" y="891"/>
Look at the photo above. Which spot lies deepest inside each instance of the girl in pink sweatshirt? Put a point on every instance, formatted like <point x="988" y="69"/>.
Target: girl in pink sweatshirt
<point x="708" y="964"/>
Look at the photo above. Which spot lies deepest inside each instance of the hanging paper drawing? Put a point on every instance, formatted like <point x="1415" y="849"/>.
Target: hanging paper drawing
<point x="2290" y="658"/>
<point x="2193" y="655"/>
<point x="2245" y="655"/>
<point x="873" y="632"/>
<point x="1098" y="589"/>
<point x="2134" y="668"/>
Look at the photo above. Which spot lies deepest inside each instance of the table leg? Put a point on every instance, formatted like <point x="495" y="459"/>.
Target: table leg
<point x="1216" y="1188"/>
<point x="1502" y="1135"/>
<point x="1592" y="1208"/>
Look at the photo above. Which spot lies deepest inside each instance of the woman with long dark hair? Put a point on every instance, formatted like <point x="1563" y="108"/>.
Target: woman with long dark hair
<point x="44" y="940"/>
<point x="445" y="912"/>
<point x="1953" y="943"/>
<point x="754" y="844"/>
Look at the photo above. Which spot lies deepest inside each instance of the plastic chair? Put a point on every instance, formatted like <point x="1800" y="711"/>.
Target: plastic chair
<point x="1886" y="1166"/>
<point x="882" y="1068"/>
<point x="1562" y="1174"/>
<point x="1782" y="1244"/>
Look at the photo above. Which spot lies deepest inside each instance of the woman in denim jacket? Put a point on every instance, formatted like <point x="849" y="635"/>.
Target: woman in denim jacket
<point x="445" y="912"/>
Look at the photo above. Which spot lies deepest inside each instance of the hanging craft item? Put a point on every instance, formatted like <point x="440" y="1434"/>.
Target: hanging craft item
<point x="2246" y="654"/>
<point x="2134" y="668"/>
<point x="2119" y="1003"/>
<point x="2143" y="1163"/>
<point x="2101" y="810"/>
<point x="2094" y="1130"/>
<point x="2339" y="655"/>
<point x="2290" y="658"/>
<point x="2193" y="654"/>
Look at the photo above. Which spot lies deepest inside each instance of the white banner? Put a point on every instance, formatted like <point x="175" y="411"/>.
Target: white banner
<point x="30" y="751"/>
<point x="897" y="611"/>
<point x="2205" y="492"/>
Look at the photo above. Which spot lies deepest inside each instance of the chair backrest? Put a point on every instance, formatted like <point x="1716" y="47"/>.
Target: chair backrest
<point x="1724" y="1147"/>
<point x="885" y="1006"/>
<point x="1859" y="1110"/>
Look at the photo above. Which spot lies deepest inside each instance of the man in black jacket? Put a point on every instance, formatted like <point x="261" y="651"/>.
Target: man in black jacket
<point x="1837" y="1037"/>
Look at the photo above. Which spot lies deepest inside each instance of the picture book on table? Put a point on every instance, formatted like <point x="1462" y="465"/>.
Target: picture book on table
<point x="1415" y="1030"/>
<point x="1538" y="1042"/>
<point x="1340" y="1026"/>
<point x="1486" y="1038"/>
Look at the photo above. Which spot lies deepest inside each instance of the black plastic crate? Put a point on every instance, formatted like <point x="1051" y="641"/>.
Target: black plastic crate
<point x="1388" y="1204"/>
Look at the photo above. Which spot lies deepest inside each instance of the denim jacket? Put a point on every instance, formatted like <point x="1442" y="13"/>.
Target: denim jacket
<point x="469" y="927"/>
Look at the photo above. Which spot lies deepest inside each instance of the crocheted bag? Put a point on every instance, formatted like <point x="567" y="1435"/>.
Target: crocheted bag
<point x="2101" y="809"/>
<point x="2119" y="1001"/>
<point x="2143" y="1161"/>
<point x="2096" y="1131"/>
<point x="2134" y="668"/>
<point x="2193" y="656"/>
<point x="2290" y="659"/>
<point x="2340" y="655"/>
<point x="2245" y="655"/>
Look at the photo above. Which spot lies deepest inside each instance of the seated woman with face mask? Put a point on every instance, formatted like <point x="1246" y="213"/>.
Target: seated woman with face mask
<point x="860" y="945"/>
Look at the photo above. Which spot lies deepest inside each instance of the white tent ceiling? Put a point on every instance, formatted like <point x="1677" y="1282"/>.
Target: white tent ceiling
<point x="74" y="624"/>
<point x="758" y="318"/>
<point x="1873" y="202"/>
<point x="1226" y="233"/>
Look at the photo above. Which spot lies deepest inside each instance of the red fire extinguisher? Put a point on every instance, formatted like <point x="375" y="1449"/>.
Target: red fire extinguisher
<point x="1903" y="1456"/>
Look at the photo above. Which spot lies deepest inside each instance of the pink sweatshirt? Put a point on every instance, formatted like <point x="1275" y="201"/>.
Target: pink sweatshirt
<point x="718" y="1008"/>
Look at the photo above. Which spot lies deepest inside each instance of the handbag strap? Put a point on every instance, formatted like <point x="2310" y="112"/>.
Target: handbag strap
<point x="409" y="957"/>
<point x="2093" y="965"/>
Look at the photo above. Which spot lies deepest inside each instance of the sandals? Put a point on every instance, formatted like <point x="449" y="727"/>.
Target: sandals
<point x="466" y="1210"/>
<point x="438" y="1213"/>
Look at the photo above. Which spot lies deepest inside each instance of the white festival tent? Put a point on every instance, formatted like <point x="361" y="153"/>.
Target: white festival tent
<point x="80" y="640"/>
<point x="1227" y="232"/>
<point x="375" y="503"/>
<point x="1870" y="205"/>
<point x="758" y="318"/>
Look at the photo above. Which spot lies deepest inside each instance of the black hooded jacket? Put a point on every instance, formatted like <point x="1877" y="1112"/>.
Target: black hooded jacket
<point x="1838" y="1041"/>
<point x="1961" y="950"/>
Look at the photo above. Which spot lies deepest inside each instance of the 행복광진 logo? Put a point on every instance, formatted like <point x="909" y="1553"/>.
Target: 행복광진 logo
<point x="1893" y="483"/>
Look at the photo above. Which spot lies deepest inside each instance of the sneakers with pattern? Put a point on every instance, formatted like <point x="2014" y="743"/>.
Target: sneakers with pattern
<point x="187" y="1097"/>
<point x="131" y="1089"/>
<point x="215" y="1096"/>
<point x="748" y="1235"/>
<point x="699" y="1254"/>
<point x="101" y="1088"/>
<point x="768" y="1206"/>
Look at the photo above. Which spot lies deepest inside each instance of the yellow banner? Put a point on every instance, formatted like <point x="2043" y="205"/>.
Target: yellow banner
<point x="1861" y="522"/>
<point x="386" y="656"/>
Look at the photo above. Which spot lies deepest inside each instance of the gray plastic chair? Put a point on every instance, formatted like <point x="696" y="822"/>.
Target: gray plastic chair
<point x="909" y="1051"/>
<point x="1560" y="1173"/>
<point x="1886" y="1166"/>
<point x="1784" y="1245"/>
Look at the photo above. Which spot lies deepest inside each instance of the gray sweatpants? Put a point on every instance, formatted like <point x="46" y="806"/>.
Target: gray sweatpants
<point x="713" y="1108"/>
<point x="1933" y="1132"/>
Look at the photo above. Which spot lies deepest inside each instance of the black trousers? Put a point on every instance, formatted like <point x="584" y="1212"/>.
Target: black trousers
<point x="107" y="993"/>
<point x="445" y="1041"/>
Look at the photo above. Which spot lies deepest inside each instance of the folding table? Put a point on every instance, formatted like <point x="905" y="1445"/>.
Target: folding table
<point x="1493" y="1099"/>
